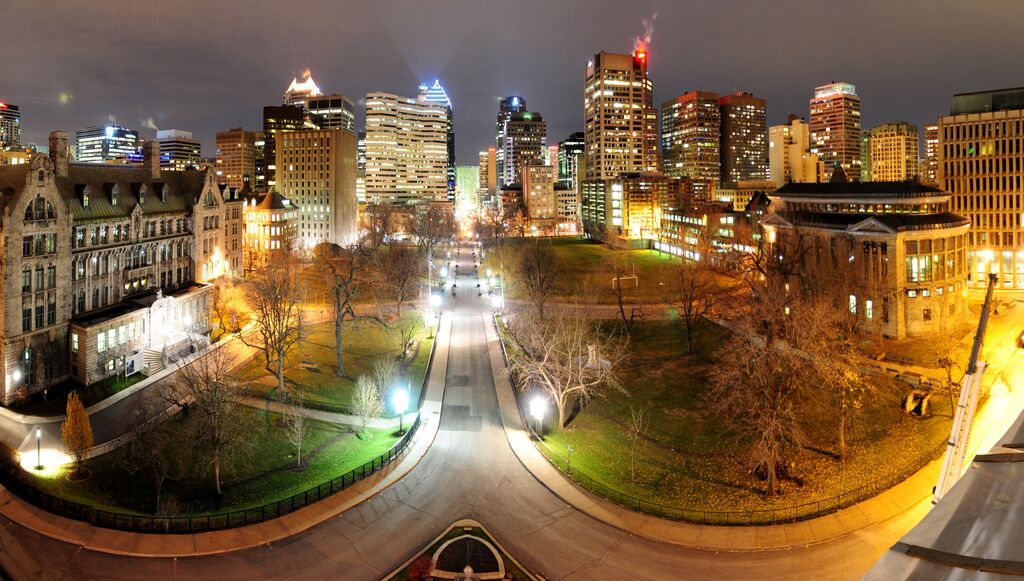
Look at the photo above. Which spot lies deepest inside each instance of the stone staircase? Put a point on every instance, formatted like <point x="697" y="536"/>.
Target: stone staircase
<point x="154" y="361"/>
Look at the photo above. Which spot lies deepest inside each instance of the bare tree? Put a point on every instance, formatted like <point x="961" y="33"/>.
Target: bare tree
<point x="343" y="267"/>
<point x="407" y="330"/>
<point x="571" y="358"/>
<point x="367" y="401"/>
<point x="381" y="223"/>
<point x="154" y="449"/>
<point x="276" y="303"/>
<point x="636" y="428"/>
<point x="433" y="228"/>
<point x="622" y="271"/>
<point x="537" y="271"/>
<point x="944" y="346"/>
<point x="402" y="269"/>
<point x="204" y="387"/>
<point x="296" y="426"/>
<point x="690" y="292"/>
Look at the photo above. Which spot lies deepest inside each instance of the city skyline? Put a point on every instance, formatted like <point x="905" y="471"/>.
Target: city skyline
<point x="417" y="44"/>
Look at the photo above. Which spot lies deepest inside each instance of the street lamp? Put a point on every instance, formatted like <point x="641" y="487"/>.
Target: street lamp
<point x="537" y="411"/>
<point x="39" y="456"/>
<point x="444" y="272"/>
<point x="400" y="401"/>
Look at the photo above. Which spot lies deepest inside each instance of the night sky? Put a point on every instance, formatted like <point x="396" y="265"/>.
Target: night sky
<point x="207" y="66"/>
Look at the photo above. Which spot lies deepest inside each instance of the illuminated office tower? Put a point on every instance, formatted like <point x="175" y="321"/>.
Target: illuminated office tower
<point x="570" y="159"/>
<point x="488" y="174"/>
<point x="276" y="120"/>
<point x="894" y="153"/>
<point x="691" y="140"/>
<point x="332" y="112"/>
<point x="835" y="127"/>
<point x="178" y="150"/>
<point x="236" y="158"/>
<point x="10" y="126"/>
<point x="435" y="94"/>
<point x="406" y="150"/>
<point x="930" y="165"/>
<point x="507" y="107"/>
<point x="744" y="140"/>
<point x="100" y="144"/>
<point x="981" y="163"/>
<point x="467" y="182"/>
<point x="789" y="156"/>
<point x="525" y="142"/>
<point x="316" y="170"/>
<point x="620" y="122"/>
<point x="299" y="92"/>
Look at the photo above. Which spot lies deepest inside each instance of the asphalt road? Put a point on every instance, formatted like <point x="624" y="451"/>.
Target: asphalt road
<point x="469" y="472"/>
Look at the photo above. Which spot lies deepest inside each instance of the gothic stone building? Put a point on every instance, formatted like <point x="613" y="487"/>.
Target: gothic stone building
<point x="105" y="267"/>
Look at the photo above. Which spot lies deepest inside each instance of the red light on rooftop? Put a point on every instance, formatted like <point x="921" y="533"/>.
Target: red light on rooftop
<point x="3" y="105"/>
<point x="640" y="54"/>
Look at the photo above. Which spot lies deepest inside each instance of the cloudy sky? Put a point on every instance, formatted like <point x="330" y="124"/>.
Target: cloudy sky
<point x="207" y="66"/>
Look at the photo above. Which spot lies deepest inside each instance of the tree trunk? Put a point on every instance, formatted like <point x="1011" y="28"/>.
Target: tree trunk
<point x="771" y="474"/>
<point x="689" y="335"/>
<point x="216" y="472"/>
<point x="842" y="426"/>
<point x="280" y="369"/>
<point x="398" y="307"/>
<point x="339" y="346"/>
<point x="561" y="405"/>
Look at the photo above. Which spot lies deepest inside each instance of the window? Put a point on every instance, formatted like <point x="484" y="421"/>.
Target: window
<point x="51" y="277"/>
<point x="39" y="278"/>
<point x="853" y="304"/>
<point x="26" y="319"/>
<point x="39" y="316"/>
<point x="26" y="281"/>
<point x="927" y="313"/>
<point x="74" y="342"/>
<point x="51" y="313"/>
<point x="101" y="342"/>
<point x="869" y="309"/>
<point x="26" y="246"/>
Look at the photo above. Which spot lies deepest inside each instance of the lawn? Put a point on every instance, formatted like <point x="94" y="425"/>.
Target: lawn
<point x="311" y="367"/>
<point x="267" y="474"/>
<point x="587" y="270"/>
<point x="687" y="458"/>
<point x="56" y="401"/>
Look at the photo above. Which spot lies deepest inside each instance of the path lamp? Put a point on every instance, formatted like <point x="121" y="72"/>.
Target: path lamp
<point x="537" y="411"/>
<point x="39" y="457"/>
<point x="400" y="401"/>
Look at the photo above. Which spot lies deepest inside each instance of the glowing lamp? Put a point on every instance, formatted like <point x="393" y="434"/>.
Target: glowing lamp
<point x="400" y="401"/>
<point x="537" y="406"/>
<point x="435" y="300"/>
<point x="641" y="54"/>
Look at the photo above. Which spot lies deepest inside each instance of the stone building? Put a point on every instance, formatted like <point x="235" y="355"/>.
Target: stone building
<point x="271" y="227"/>
<point x="893" y="249"/>
<point x="105" y="266"/>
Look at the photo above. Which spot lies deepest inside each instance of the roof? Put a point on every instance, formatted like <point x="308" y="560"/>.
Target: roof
<point x="893" y="222"/>
<point x="905" y="189"/>
<point x="272" y="201"/>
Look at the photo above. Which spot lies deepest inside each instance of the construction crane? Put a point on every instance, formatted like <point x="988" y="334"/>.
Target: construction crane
<point x="970" y="391"/>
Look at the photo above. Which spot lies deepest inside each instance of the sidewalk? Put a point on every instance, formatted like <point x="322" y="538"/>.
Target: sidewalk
<point x="216" y="542"/>
<point x="911" y="494"/>
<point x="331" y="417"/>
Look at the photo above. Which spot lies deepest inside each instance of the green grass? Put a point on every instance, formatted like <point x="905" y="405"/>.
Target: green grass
<point x="55" y="403"/>
<point x="320" y="386"/>
<point x="267" y="475"/>
<point x="688" y="458"/>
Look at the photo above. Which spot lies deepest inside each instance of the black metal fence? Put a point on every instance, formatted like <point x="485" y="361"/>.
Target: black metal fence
<point x="766" y="516"/>
<point x="21" y="487"/>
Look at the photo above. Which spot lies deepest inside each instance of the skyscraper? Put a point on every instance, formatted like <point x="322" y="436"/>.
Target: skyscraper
<point x="835" y="127"/>
<point x="895" y="149"/>
<point x="525" y="142"/>
<point x="620" y="122"/>
<point x="316" y="170"/>
<point x="570" y="159"/>
<point x="436" y="94"/>
<point x="100" y="144"/>
<point x="488" y="173"/>
<point x="10" y="126"/>
<point x="744" y="146"/>
<point x="299" y="92"/>
<point x="178" y="150"/>
<point x="467" y="184"/>
<point x="507" y="107"/>
<point x="691" y="140"/>
<point x="930" y="167"/>
<point x="980" y="163"/>
<point x="236" y="158"/>
<point x="332" y="112"/>
<point x="406" y="150"/>
<point x="789" y="158"/>
<point x="276" y="120"/>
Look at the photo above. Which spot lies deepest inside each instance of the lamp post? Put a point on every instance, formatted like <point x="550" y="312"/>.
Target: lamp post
<point x="39" y="454"/>
<point x="537" y="411"/>
<point x="400" y="401"/>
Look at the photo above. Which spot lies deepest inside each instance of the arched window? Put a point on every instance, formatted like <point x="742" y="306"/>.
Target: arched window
<point x="142" y="194"/>
<point x="86" y="192"/>
<point x="115" y="192"/>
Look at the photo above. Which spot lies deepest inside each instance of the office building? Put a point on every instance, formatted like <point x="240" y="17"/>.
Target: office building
<point x="570" y="159"/>
<point x="332" y="112"/>
<point x="744" y="139"/>
<point x="271" y="228"/>
<point x="488" y="175"/>
<point x="625" y="212"/>
<point x="981" y="164"/>
<point x="930" y="163"/>
<point x="316" y="171"/>
<point x="835" y="127"/>
<point x="100" y="144"/>
<point x="276" y="120"/>
<point x="467" y="184"/>
<point x="406" y="150"/>
<point x="525" y="142"/>
<point x="236" y="158"/>
<point x="539" y="196"/>
<point x="507" y="107"/>
<point x="620" y="122"/>
<point x="895" y="152"/>
<point x="178" y="149"/>
<point x="436" y="94"/>
<point x="865" y="158"/>
<point x="691" y="140"/>
<point x="789" y="156"/>
<point x="10" y="127"/>
<point x="299" y="92"/>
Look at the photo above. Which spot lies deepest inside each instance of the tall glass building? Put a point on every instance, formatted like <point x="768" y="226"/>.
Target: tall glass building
<point x="10" y="126"/>
<point x="436" y="94"/>
<point x="100" y="144"/>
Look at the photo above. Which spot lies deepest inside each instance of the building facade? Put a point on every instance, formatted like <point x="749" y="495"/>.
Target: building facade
<point x="744" y="140"/>
<point x="107" y="143"/>
<point x="835" y="127"/>
<point x="271" y="228"/>
<point x="789" y="156"/>
<point x="894" y="251"/>
<point x="620" y="122"/>
<point x="276" y="120"/>
<point x="299" y="92"/>
<point x="895" y="151"/>
<point x="691" y="140"/>
<point x="570" y="160"/>
<point x="406" y="150"/>
<point x="178" y="149"/>
<point x="506" y="108"/>
<point x="539" y="196"/>
<point x="316" y="172"/>
<point x="626" y="212"/>
<point x="930" y="163"/>
<point x="332" y="112"/>
<point x="436" y="94"/>
<point x="10" y="127"/>
<point x="236" y="158"/>
<point x="525" y="143"/>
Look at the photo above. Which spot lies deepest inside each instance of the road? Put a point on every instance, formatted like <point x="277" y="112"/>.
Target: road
<point x="469" y="472"/>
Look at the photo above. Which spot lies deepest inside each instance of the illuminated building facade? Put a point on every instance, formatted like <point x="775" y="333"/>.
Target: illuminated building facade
<point x="332" y="112"/>
<point x="10" y="127"/>
<point x="525" y="143"/>
<point x="105" y="266"/>
<point x="277" y="120"/>
<point x="178" y="150"/>
<point x="930" y="163"/>
<point x="744" y="140"/>
<point x="789" y="156"/>
<point x="406" y="150"/>
<point x="299" y="92"/>
<point x="895" y="150"/>
<point x="539" y="195"/>
<point x="835" y="127"/>
<point x="507" y="107"/>
<point x="271" y="228"/>
<point x="691" y="140"/>
<point x="981" y="163"/>
<point x="236" y="158"/>
<point x="704" y="231"/>
<point x="436" y="94"/>
<point x="620" y="122"/>
<point x="570" y="159"/>
<point x="100" y="144"/>
<point x="467" y="184"/>
<point x="626" y="212"/>
<point x="316" y="171"/>
<point x="488" y="175"/>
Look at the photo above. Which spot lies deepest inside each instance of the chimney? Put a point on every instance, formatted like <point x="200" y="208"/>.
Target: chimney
<point x="151" y="157"/>
<point x="59" y="152"/>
